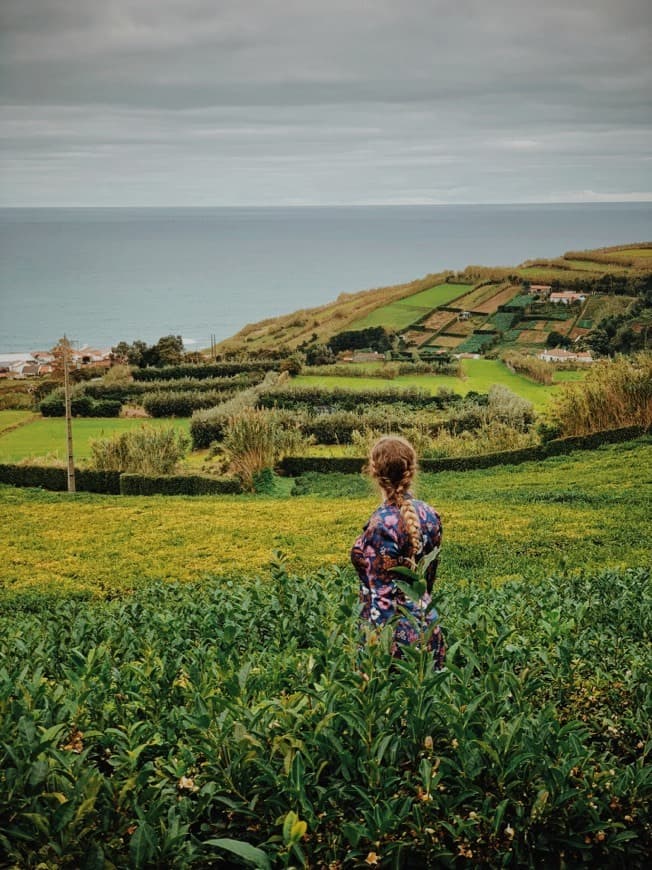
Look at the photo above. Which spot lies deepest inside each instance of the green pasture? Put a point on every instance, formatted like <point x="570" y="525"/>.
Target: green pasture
<point x="399" y="315"/>
<point x="45" y="437"/>
<point x="479" y="375"/>
<point x="10" y="419"/>
<point x="547" y="274"/>
<point x="594" y="266"/>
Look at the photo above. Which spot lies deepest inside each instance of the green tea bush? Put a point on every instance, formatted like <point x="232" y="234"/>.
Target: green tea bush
<point x="183" y="403"/>
<point x="188" y="724"/>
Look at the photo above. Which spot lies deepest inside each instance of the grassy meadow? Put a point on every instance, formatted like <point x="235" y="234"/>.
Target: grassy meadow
<point x="45" y="437"/>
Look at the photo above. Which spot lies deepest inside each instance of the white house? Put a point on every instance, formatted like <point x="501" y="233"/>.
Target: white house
<point x="567" y="297"/>
<point x="558" y="354"/>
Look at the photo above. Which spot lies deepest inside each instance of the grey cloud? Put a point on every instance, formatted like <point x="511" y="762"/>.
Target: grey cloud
<point x="329" y="101"/>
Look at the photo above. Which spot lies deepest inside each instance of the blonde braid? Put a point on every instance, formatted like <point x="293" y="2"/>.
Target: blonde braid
<point x="411" y="520"/>
<point x="393" y="463"/>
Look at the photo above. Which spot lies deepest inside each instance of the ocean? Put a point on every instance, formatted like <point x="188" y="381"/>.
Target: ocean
<point x="108" y="274"/>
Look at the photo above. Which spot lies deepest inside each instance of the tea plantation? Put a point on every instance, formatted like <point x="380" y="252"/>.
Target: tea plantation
<point x="226" y="717"/>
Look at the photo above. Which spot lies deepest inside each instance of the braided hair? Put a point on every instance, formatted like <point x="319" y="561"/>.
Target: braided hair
<point x="393" y="464"/>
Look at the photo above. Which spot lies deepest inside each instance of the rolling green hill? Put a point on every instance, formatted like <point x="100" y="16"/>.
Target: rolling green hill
<point x="455" y="312"/>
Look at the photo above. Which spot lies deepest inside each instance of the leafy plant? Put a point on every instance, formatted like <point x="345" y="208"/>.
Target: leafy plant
<point x="257" y="440"/>
<point x="146" y="450"/>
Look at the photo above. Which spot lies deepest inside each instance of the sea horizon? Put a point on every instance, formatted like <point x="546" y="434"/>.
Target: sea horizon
<point x="102" y="274"/>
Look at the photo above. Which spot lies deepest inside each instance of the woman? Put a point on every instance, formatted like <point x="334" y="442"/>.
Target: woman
<point x="401" y="532"/>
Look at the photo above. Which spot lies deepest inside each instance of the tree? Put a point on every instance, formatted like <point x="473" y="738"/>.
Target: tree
<point x="319" y="355"/>
<point x="291" y="365"/>
<point x="556" y="339"/>
<point x="130" y="353"/>
<point x="169" y="350"/>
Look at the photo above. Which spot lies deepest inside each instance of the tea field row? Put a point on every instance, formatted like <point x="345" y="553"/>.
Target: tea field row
<point x="584" y="511"/>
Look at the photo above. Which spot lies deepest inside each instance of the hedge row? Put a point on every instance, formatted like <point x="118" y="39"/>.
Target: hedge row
<point x="294" y="466"/>
<point x="115" y="483"/>
<point x="211" y="370"/>
<point x="173" y="404"/>
<point x="351" y="400"/>
<point x="133" y="389"/>
<point x="80" y="406"/>
<point x="56" y="478"/>
<point x="177" y="484"/>
<point x="336" y="427"/>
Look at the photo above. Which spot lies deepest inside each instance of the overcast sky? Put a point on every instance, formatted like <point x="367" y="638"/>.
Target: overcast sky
<point x="280" y="102"/>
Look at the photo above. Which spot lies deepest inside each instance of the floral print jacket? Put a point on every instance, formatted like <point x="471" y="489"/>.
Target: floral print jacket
<point x="382" y="546"/>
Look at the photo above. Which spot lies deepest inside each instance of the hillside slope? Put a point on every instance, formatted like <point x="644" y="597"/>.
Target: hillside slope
<point x="430" y="312"/>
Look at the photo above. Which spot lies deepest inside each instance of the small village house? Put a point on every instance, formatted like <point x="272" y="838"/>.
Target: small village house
<point x="567" y="297"/>
<point x="558" y="354"/>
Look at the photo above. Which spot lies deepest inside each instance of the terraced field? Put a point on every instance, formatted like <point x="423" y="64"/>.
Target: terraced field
<point x="399" y="315"/>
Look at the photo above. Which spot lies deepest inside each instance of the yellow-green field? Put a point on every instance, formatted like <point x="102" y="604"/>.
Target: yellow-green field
<point x="587" y="510"/>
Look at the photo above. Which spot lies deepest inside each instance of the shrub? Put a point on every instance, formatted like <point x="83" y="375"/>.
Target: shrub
<point x="531" y="366"/>
<point x="614" y="393"/>
<point x="210" y="425"/>
<point x="255" y="440"/>
<point x="81" y="405"/>
<point x="118" y="375"/>
<point x="147" y="450"/>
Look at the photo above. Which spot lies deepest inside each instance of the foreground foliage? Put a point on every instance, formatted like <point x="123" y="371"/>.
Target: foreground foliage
<point x="191" y="724"/>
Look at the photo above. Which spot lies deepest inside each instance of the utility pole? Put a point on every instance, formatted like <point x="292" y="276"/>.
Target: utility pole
<point x="66" y="347"/>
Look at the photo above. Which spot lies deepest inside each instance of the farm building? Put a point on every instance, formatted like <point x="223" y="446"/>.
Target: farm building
<point x="558" y="354"/>
<point x="361" y="356"/>
<point x="567" y="297"/>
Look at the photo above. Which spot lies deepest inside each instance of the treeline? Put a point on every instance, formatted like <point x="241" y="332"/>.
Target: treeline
<point x="158" y="398"/>
<point x="374" y="337"/>
<point x="209" y="370"/>
<point x="616" y="283"/>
